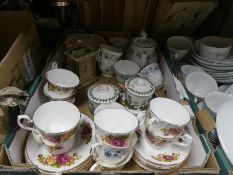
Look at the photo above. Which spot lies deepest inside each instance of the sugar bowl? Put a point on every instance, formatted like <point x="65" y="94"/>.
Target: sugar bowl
<point x="138" y="93"/>
<point x="101" y="93"/>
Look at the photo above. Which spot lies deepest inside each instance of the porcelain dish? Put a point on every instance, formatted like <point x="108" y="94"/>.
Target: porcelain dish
<point x="125" y="69"/>
<point x="101" y="93"/>
<point x="45" y="161"/>
<point x="200" y="84"/>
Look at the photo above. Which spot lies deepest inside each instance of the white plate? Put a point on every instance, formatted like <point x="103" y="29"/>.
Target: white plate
<point x="82" y="149"/>
<point x="151" y="154"/>
<point x="224" y="128"/>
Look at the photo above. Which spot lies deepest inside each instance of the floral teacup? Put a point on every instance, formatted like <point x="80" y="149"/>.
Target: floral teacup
<point x="115" y="126"/>
<point x="54" y="125"/>
<point x="105" y="153"/>
<point x="166" y="119"/>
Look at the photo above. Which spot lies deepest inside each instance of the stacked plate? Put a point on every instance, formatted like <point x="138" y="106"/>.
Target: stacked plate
<point x="222" y="71"/>
<point x="161" y="160"/>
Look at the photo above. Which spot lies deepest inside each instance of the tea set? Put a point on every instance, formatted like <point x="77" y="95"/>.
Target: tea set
<point x="149" y="129"/>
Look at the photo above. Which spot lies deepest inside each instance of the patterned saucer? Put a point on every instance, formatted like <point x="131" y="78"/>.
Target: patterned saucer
<point x="38" y="155"/>
<point x="169" y="155"/>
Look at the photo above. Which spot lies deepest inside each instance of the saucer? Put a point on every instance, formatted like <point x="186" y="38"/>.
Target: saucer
<point x="168" y="155"/>
<point x="38" y="155"/>
<point x="54" y="95"/>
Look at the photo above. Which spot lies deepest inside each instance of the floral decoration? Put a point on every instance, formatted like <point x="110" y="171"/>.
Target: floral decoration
<point x="121" y="141"/>
<point x="86" y="133"/>
<point x="109" y="153"/>
<point x="172" y="131"/>
<point x="57" y="161"/>
<point x="166" y="157"/>
<point x="157" y="142"/>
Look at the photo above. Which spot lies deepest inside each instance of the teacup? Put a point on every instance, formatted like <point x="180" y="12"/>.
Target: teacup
<point x="125" y="69"/>
<point x="153" y="73"/>
<point x="138" y="93"/>
<point x="115" y="126"/>
<point x="167" y="119"/>
<point x="178" y="47"/>
<point x="108" y="52"/>
<point x="105" y="153"/>
<point x="157" y="142"/>
<point x="62" y="82"/>
<point x="54" y="125"/>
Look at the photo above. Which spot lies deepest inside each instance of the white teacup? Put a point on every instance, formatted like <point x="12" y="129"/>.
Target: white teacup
<point x="178" y="46"/>
<point x="54" y="125"/>
<point x="108" y="52"/>
<point x="104" y="153"/>
<point x="167" y="119"/>
<point x="115" y="126"/>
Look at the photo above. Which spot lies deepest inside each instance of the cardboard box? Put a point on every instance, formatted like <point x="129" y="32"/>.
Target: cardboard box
<point x="201" y="159"/>
<point x="21" y="49"/>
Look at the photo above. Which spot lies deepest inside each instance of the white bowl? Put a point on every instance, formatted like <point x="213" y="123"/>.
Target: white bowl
<point x="125" y="69"/>
<point x="214" y="47"/>
<point x="214" y="100"/>
<point x="200" y="84"/>
<point x="187" y="69"/>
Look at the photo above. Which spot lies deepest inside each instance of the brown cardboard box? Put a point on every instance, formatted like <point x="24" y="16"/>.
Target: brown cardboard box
<point x="18" y="36"/>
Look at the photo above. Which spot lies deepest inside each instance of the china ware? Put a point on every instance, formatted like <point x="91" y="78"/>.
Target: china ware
<point x="125" y="69"/>
<point x="55" y="125"/>
<point x="187" y="69"/>
<point x="214" y="47"/>
<point x="142" y="50"/>
<point x="161" y="126"/>
<point x="78" y="158"/>
<point x="115" y="126"/>
<point x="101" y="94"/>
<point x="112" y="156"/>
<point x="113" y="105"/>
<point x="200" y="84"/>
<point x="167" y="158"/>
<point x="153" y="73"/>
<point x="106" y="57"/>
<point x="62" y="83"/>
<point x="224" y="125"/>
<point x="178" y="47"/>
<point x="139" y="91"/>
<point x="214" y="100"/>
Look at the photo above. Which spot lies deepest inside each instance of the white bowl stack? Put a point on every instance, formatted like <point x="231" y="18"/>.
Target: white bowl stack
<point x="215" y="56"/>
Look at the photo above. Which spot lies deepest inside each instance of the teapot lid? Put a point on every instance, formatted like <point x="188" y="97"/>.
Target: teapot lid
<point x="139" y="86"/>
<point x="144" y="42"/>
<point x="103" y="93"/>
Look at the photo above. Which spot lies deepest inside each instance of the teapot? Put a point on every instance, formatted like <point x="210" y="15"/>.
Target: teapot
<point x="142" y="50"/>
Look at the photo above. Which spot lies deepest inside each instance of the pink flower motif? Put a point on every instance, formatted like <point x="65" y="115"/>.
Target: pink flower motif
<point x="63" y="159"/>
<point x="118" y="142"/>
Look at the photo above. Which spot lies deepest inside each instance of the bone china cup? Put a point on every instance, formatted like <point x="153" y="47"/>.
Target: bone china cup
<point x="62" y="82"/>
<point x="115" y="126"/>
<point x="54" y="125"/>
<point x="166" y="120"/>
<point x="111" y="155"/>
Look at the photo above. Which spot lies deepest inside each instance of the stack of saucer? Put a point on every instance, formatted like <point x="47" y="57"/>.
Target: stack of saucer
<point x="163" y="144"/>
<point x="115" y="138"/>
<point x="61" y="85"/>
<point x="76" y="159"/>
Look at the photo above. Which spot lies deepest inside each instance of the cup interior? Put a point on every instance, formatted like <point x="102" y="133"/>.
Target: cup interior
<point x="216" y="42"/>
<point x="62" y="78"/>
<point x="126" y="67"/>
<point x="56" y="117"/>
<point x="116" y="121"/>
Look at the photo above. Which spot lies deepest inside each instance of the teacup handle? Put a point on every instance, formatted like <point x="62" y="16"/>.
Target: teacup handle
<point x="151" y="121"/>
<point x="37" y="134"/>
<point x="187" y="138"/>
<point x="93" y="152"/>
